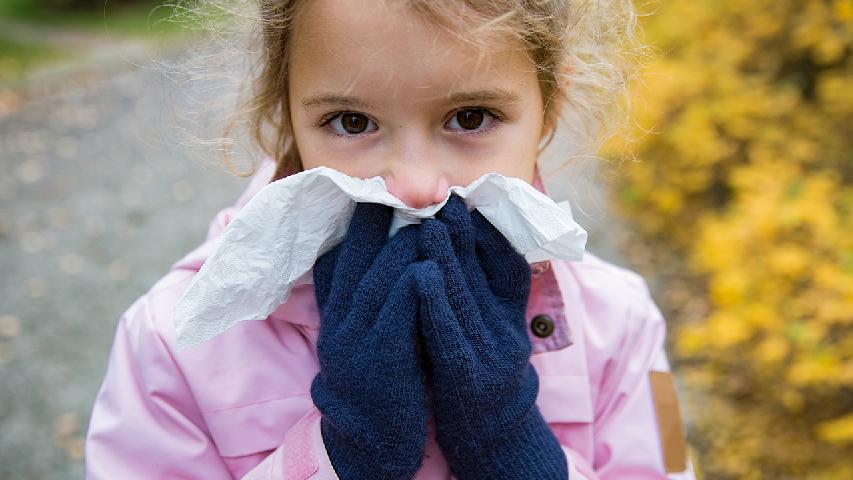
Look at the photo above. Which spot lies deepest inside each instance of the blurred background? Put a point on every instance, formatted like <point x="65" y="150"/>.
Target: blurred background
<point x="98" y="197"/>
<point x="737" y="210"/>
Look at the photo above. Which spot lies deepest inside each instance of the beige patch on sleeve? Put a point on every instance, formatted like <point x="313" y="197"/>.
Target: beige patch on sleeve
<point x="670" y="426"/>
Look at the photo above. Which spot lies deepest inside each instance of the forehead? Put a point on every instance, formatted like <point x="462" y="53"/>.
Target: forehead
<point x="345" y="45"/>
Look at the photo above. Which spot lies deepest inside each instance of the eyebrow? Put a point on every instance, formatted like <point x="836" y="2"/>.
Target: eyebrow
<point x="496" y="95"/>
<point x="316" y="101"/>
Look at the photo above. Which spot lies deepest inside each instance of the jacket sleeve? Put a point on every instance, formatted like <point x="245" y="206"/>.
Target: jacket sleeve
<point x="145" y="423"/>
<point x="638" y="431"/>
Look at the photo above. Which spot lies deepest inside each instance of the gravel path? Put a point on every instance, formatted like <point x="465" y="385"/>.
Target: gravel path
<point x="95" y="204"/>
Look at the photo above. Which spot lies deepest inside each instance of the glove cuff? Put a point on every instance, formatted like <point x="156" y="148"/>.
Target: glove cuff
<point x="530" y="451"/>
<point x="359" y="459"/>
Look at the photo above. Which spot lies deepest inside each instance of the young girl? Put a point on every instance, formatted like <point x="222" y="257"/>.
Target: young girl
<point x="420" y="355"/>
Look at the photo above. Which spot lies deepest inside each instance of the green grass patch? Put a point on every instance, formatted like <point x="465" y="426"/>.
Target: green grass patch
<point x="137" y="19"/>
<point x="16" y="59"/>
<point x="147" y="21"/>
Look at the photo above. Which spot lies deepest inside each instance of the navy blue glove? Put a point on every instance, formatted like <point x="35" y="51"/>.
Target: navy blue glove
<point x="474" y="293"/>
<point x="370" y="388"/>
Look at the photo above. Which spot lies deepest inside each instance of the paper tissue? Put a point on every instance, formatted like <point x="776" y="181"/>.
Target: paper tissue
<point x="276" y="237"/>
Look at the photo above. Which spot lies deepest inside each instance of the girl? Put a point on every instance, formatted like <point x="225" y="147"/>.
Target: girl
<point x="420" y="355"/>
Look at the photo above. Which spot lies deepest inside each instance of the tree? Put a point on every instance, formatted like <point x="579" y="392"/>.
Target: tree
<point x="742" y="191"/>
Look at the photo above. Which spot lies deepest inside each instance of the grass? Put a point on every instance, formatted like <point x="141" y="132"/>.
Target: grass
<point x="113" y="21"/>
<point x="135" y="20"/>
<point x="16" y="59"/>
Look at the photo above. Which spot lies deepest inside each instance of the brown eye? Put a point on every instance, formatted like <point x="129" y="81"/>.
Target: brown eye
<point x="473" y="121"/>
<point x="469" y="119"/>
<point x="354" y="122"/>
<point x="351" y="123"/>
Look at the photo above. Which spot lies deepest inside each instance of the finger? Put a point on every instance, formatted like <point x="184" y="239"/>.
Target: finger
<point x="464" y="297"/>
<point x="374" y="288"/>
<point x="460" y="226"/>
<point x="436" y="244"/>
<point x="446" y="343"/>
<point x="366" y="234"/>
<point x="506" y="270"/>
<point x="455" y="216"/>
<point x="395" y="329"/>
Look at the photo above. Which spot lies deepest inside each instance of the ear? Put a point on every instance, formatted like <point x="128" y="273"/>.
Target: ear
<point x="549" y="130"/>
<point x="556" y="103"/>
<point x="551" y="117"/>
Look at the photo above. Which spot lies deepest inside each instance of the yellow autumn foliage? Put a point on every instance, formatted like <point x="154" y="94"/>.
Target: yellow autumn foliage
<point x="742" y="190"/>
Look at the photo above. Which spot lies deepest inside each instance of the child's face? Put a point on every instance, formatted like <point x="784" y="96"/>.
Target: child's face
<point x="377" y="90"/>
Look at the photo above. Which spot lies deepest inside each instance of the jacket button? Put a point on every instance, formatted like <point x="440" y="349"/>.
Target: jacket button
<point x="542" y="325"/>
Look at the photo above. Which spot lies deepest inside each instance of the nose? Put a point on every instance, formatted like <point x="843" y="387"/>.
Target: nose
<point x="417" y="185"/>
<point x="413" y="170"/>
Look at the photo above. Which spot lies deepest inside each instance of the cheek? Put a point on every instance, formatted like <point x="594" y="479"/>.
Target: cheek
<point x="518" y="164"/>
<point x="317" y="151"/>
<point x="512" y="149"/>
<point x="314" y="149"/>
<point x="512" y="152"/>
<point x="314" y="158"/>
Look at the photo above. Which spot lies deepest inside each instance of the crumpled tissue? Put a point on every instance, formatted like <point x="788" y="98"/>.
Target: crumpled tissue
<point x="274" y="240"/>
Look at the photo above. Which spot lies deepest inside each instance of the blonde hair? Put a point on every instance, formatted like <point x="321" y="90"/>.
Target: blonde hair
<point x="585" y="53"/>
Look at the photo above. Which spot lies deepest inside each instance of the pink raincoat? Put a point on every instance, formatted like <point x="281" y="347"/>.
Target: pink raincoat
<point x="239" y="405"/>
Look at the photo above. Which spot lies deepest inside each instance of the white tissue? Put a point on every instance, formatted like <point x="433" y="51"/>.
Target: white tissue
<point x="276" y="237"/>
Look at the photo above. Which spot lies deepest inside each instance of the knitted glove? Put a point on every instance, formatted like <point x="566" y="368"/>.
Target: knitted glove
<point x="474" y="295"/>
<point x="370" y="387"/>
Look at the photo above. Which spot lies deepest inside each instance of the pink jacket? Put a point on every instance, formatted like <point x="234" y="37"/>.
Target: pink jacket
<point x="238" y="406"/>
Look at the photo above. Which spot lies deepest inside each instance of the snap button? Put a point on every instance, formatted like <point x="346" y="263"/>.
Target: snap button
<point x="542" y="325"/>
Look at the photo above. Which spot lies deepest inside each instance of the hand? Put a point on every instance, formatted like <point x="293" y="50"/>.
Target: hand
<point x="474" y="293"/>
<point x="370" y="388"/>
